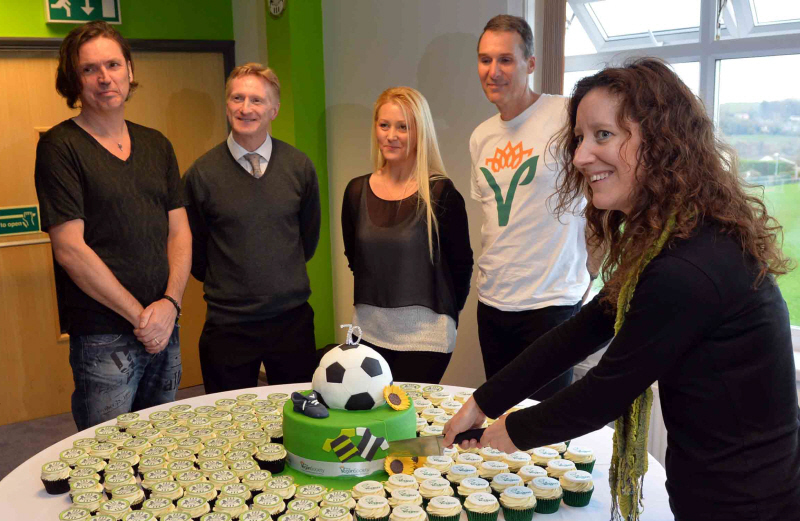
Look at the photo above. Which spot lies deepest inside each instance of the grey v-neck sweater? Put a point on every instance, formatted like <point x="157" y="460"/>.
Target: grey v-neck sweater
<point x="252" y="237"/>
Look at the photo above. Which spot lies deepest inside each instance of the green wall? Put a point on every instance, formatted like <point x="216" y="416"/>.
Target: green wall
<point x="147" y="19"/>
<point x="294" y="42"/>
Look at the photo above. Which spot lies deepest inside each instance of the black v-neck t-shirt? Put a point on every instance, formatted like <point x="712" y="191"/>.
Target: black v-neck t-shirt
<point x="124" y="205"/>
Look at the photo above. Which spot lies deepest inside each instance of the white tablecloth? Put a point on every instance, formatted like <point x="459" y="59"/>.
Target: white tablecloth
<point x="22" y="495"/>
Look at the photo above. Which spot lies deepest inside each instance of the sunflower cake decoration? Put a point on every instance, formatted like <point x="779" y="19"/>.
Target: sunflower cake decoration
<point x="396" y="397"/>
<point x="399" y="465"/>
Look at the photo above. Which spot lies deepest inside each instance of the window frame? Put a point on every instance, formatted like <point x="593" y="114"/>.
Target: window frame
<point x="740" y="37"/>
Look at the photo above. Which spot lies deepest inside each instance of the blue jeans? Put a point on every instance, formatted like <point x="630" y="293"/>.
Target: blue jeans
<point x="114" y="374"/>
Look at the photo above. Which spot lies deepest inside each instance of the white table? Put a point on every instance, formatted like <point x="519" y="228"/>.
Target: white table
<point x="22" y="495"/>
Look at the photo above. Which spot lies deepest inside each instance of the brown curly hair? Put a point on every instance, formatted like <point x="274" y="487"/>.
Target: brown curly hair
<point x="683" y="169"/>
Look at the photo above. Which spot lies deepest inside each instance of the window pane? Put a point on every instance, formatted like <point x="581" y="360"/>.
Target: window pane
<point x="576" y="41"/>
<point x="628" y="17"/>
<point x="759" y="115"/>
<point x="775" y="11"/>
<point x="688" y="72"/>
<point x="571" y="78"/>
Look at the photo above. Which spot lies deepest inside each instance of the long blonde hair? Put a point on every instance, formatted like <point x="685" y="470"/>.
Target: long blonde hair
<point x="428" y="165"/>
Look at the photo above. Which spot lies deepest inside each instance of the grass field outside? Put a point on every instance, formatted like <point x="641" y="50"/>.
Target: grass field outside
<point x="783" y="203"/>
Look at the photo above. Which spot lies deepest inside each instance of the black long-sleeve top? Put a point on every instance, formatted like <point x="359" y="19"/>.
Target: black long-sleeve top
<point x="721" y="353"/>
<point x="453" y="253"/>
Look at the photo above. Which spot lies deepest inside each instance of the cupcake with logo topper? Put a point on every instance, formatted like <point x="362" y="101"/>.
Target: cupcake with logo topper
<point x="373" y="508"/>
<point x="518" y="503"/>
<point x="368" y="488"/>
<point x="558" y="467"/>
<point x="334" y="513"/>
<point x="178" y="516"/>
<point x="283" y="486"/>
<point x="215" y="516"/>
<point x="530" y="472"/>
<point x="440" y="463"/>
<point x="313" y="491"/>
<point x="489" y="469"/>
<point x="408" y="513"/>
<point x="55" y="477"/>
<point x="582" y="456"/>
<point x="271" y="457"/>
<point x="88" y="500"/>
<point x="470" y="486"/>
<point x="114" y="508"/>
<point x="423" y="473"/>
<point x="158" y="506"/>
<point x="444" y="508"/>
<point x="195" y="506"/>
<point x="303" y="506"/>
<point x="548" y="494"/>
<point x="205" y="490"/>
<point x="541" y="455"/>
<point x="431" y="488"/>
<point x="405" y="496"/>
<point x="339" y="498"/>
<point x="75" y="514"/>
<point x="398" y="481"/>
<point x="505" y="480"/>
<point x="238" y="490"/>
<point x="470" y="459"/>
<point x="481" y="506"/>
<point x="271" y="503"/>
<point x="578" y="487"/>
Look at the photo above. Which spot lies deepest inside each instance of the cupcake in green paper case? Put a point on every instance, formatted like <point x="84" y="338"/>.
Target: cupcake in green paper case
<point x="408" y="513"/>
<point x="530" y="472"/>
<point x="558" y="467"/>
<point x="489" y="469"/>
<point x="470" y="486"/>
<point x="444" y="508"/>
<point x="578" y="487"/>
<point x="518" y="503"/>
<point x="582" y="456"/>
<point x="405" y="496"/>
<point x="481" y="506"/>
<point x="55" y="477"/>
<point x="505" y="480"/>
<point x="431" y="488"/>
<point x="373" y="508"/>
<point x="561" y="447"/>
<point x="459" y="472"/>
<point x="542" y="455"/>
<point x="548" y="494"/>
<point x="516" y="460"/>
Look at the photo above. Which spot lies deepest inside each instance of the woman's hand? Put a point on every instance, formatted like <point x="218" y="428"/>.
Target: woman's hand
<point x="470" y="416"/>
<point x="496" y="436"/>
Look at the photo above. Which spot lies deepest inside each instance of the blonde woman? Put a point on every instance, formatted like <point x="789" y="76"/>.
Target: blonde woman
<point x="406" y="239"/>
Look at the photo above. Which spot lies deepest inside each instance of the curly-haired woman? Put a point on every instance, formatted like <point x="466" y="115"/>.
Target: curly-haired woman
<point x="690" y="301"/>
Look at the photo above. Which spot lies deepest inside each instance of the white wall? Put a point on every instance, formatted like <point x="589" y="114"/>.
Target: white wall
<point x="250" y="31"/>
<point x="430" y="45"/>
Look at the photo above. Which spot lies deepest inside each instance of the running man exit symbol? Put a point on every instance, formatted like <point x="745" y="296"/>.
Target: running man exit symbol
<point x="82" y="11"/>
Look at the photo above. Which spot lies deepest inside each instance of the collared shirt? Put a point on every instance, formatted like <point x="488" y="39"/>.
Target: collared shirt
<point x="238" y="152"/>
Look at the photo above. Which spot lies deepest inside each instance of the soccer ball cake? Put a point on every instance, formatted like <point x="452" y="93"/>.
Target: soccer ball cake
<point x="352" y="377"/>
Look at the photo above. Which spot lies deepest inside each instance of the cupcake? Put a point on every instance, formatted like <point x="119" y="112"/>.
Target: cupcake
<point x="372" y="508"/>
<point x="117" y="479"/>
<point x="138" y="426"/>
<point x="577" y="486"/>
<point x="222" y="477"/>
<point x="470" y="459"/>
<point x="137" y="445"/>
<point x="72" y="456"/>
<point x="159" y="416"/>
<point x="271" y="503"/>
<point x="195" y="506"/>
<point x="558" y="467"/>
<point x="151" y="477"/>
<point x="88" y="500"/>
<point x="462" y="396"/>
<point x="164" y="425"/>
<point x="334" y="513"/>
<point x="405" y="496"/>
<point x="181" y="516"/>
<point x="282" y="486"/>
<point x="561" y="448"/>
<point x="275" y="431"/>
<point x="126" y="455"/>
<point x="518" y="503"/>
<point x="114" y="508"/>
<point x="102" y="433"/>
<point x="460" y="471"/>
<point x="158" y="506"/>
<point x="218" y="443"/>
<point x="225" y="404"/>
<point x="271" y="457"/>
<point x="541" y="455"/>
<point x="368" y="488"/>
<point x="211" y="466"/>
<point x="444" y="508"/>
<point x="181" y="454"/>
<point x="491" y="454"/>
<point x="221" y="425"/>
<point x="257" y="438"/>
<point x="75" y="514"/>
<point x="193" y="442"/>
<point x="431" y="488"/>
<point x="84" y="443"/>
<point x="303" y="506"/>
<point x="118" y="438"/>
<point x="216" y="416"/>
<point x="178" y="432"/>
<point x="83" y="473"/>
<point x="237" y="490"/>
<point x="293" y="516"/>
<point x="190" y="477"/>
<point x="450" y="452"/>
<point x="130" y="493"/>
<point x="490" y="469"/>
<point x="410" y="386"/>
<point x="256" y="480"/>
<point x="210" y="453"/>
<point x="450" y="407"/>
<point x="339" y="498"/>
<point x="84" y="485"/>
<point x="55" y="477"/>
<point x="171" y="490"/>
<point x="420" y="404"/>
<point x="530" y="472"/>
<point x="149" y="435"/>
<point x="422" y="423"/>
<point x="505" y="480"/>
<point x="428" y="389"/>
<point x="254" y="515"/>
<point x="472" y="486"/>
<point x="481" y="506"/>
<point x="398" y="481"/>
<point x="423" y="473"/>
<point x="408" y="513"/>
<point x="179" y="466"/>
<point x="149" y="463"/>
<point x="582" y="456"/>
<point x="517" y="460"/>
<point x="154" y="452"/>
<point x="118" y="465"/>
<point x="237" y="455"/>
<point x="205" y="490"/>
<point x="232" y="435"/>
<point x="438" y="397"/>
<point x="430" y="413"/>
<point x="440" y="463"/>
<point x="548" y="494"/>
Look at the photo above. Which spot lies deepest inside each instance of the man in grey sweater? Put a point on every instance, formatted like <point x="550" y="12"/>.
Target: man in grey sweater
<point x="253" y="207"/>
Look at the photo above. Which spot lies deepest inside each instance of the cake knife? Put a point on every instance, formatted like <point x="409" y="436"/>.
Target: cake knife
<point x="428" y="445"/>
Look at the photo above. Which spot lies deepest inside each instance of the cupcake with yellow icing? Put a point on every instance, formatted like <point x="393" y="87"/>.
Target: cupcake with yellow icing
<point x="470" y="459"/>
<point x="558" y="467"/>
<point x="158" y="506"/>
<point x="282" y="486"/>
<point x="439" y="397"/>
<point x="398" y="481"/>
<point x="334" y="513"/>
<point x="444" y="508"/>
<point x="55" y="477"/>
<point x="489" y="469"/>
<point x="273" y="504"/>
<point x="548" y="494"/>
<point x="541" y="455"/>
<point x="440" y="463"/>
<point x="303" y="506"/>
<point x="368" y="488"/>
<point x="408" y="513"/>
<point x="481" y="506"/>
<point x="372" y="508"/>
<point x="450" y="406"/>
<point x="431" y="488"/>
<point x="459" y="472"/>
<point x="339" y="498"/>
<point x="505" y="480"/>
<point x="582" y="456"/>
<point x="405" y="496"/>
<point x="313" y="492"/>
<point x="560" y="447"/>
<point x="423" y="473"/>
<point x="517" y="460"/>
<point x="470" y="486"/>
<point x="195" y="506"/>
<point x="578" y="487"/>
<point x="530" y="472"/>
<point x="518" y="503"/>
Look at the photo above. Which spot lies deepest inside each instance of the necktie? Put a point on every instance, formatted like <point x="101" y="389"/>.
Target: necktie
<point x="254" y="162"/>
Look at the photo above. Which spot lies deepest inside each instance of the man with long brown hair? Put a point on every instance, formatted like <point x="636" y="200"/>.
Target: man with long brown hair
<point x="110" y="196"/>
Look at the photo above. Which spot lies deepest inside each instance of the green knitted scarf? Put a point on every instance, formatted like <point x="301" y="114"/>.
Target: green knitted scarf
<point x="629" y="460"/>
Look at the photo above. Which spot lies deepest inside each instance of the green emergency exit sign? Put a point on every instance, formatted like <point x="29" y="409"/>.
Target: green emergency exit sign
<point x="16" y="220"/>
<point x="82" y="11"/>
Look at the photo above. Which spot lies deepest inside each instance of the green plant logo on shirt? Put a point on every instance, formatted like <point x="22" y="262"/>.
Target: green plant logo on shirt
<point x="509" y="157"/>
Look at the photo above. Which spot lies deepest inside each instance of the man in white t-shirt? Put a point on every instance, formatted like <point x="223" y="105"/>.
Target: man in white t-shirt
<point x="532" y="273"/>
